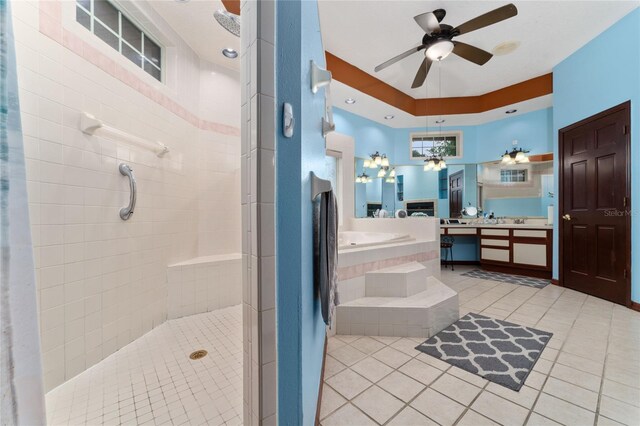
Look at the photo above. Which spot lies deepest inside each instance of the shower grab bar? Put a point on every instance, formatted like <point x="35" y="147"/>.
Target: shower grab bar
<point x="318" y="186"/>
<point x="89" y="125"/>
<point x="126" y="212"/>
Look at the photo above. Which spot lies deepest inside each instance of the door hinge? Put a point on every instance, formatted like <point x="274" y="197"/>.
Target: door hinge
<point x="624" y="201"/>
<point x="625" y="273"/>
<point x="625" y="129"/>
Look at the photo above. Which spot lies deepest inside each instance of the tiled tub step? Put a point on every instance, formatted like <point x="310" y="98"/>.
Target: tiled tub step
<point x="420" y="315"/>
<point x="397" y="281"/>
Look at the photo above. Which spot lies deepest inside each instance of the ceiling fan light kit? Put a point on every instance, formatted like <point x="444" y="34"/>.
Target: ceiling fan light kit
<point x="438" y="43"/>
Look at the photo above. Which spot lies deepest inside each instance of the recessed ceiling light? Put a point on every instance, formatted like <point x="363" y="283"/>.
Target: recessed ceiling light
<point x="350" y="101"/>
<point x="440" y="121"/>
<point x="229" y="53"/>
<point x="389" y="117"/>
<point x="511" y="111"/>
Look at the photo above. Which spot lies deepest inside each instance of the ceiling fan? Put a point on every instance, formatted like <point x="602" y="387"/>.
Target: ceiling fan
<point x="438" y="40"/>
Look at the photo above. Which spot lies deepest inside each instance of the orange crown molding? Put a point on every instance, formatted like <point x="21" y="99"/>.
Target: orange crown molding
<point x="232" y="6"/>
<point x="354" y="77"/>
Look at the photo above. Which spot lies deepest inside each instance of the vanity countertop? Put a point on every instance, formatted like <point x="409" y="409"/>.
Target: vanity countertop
<point x="501" y="225"/>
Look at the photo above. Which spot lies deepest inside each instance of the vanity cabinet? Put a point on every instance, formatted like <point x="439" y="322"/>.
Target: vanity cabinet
<point x="518" y="250"/>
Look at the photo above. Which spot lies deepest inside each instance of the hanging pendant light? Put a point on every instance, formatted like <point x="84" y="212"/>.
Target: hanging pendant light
<point x="434" y="163"/>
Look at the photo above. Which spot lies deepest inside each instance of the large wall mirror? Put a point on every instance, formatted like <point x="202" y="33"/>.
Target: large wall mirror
<point x="504" y="190"/>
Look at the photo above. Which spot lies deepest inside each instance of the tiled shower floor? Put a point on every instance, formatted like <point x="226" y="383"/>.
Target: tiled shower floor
<point x="153" y="381"/>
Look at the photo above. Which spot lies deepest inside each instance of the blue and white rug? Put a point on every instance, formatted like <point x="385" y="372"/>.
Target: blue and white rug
<point x="508" y="278"/>
<point x="499" y="351"/>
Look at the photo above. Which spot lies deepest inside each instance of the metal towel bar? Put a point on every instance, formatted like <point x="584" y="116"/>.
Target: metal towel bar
<point x="318" y="186"/>
<point x="126" y="212"/>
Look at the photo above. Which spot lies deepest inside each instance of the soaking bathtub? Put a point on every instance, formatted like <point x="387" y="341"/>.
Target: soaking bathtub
<point x="358" y="239"/>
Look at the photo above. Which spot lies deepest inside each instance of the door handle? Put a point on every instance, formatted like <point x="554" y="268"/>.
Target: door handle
<point x="567" y="217"/>
<point x="126" y="212"/>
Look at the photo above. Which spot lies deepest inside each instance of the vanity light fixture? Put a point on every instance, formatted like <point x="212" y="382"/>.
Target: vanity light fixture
<point x="366" y="164"/>
<point x="516" y="156"/>
<point x="389" y="117"/>
<point x="350" y="101"/>
<point x="434" y="163"/>
<point x="510" y="111"/>
<point x="230" y="53"/>
<point x="382" y="172"/>
<point x="390" y="179"/>
<point x="363" y="178"/>
<point x="392" y="173"/>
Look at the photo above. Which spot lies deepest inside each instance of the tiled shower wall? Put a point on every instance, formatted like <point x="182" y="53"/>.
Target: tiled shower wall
<point x="258" y="211"/>
<point x="102" y="281"/>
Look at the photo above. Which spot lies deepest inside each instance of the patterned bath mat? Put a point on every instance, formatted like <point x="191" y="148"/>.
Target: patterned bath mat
<point x="507" y="278"/>
<point x="499" y="351"/>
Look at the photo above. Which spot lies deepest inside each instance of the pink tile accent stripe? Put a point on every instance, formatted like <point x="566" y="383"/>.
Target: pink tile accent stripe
<point x="354" y="271"/>
<point x="51" y="25"/>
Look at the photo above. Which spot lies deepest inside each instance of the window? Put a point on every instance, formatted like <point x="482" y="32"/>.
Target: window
<point x="114" y="28"/>
<point x="511" y="175"/>
<point x="424" y="145"/>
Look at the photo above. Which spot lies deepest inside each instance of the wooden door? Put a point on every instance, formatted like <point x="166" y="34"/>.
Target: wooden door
<point x="456" y="188"/>
<point x="595" y="205"/>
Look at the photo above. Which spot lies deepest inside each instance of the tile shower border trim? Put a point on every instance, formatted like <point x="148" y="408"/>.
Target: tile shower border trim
<point x="354" y="271"/>
<point x="50" y="16"/>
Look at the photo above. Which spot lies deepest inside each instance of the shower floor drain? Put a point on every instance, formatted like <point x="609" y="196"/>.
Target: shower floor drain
<point x="198" y="354"/>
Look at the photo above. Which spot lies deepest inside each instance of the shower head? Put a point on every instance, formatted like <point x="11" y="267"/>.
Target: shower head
<point x="228" y="20"/>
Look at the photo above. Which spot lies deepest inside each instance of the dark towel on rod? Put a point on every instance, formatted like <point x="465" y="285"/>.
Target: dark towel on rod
<point x="325" y="251"/>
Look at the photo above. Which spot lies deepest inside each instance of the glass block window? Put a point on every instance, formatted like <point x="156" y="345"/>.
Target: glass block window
<point x="423" y="145"/>
<point x="511" y="175"/>
<point x="109" y="24"/>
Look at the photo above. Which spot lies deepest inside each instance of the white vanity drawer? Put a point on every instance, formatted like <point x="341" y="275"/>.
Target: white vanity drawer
<point x="529" y="233"/>
<point x="530" y="254"/>
<point x="499" y="243"/>
<point x="495" y="232"/>
<point x="495" y="254"/>
<point x="462" y="231"/>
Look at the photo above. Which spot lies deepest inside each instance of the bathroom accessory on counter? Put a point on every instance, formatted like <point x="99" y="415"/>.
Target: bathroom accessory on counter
<point x="90" y="125"/>
<point x="126" y="212"/>
<point x="325" y="246"/>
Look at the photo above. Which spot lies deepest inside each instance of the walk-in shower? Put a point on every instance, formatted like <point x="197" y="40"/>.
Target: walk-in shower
<point x="131" y="136"/>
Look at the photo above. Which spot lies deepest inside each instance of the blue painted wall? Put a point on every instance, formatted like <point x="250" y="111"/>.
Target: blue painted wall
<point x="301" y="331"/>
<point x="602" y="74"/>
<point x="481" y="143"/>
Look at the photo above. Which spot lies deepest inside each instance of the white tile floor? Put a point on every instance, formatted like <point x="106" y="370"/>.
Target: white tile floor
<point x="589" y="374"/>
<point x="153" y="381"/>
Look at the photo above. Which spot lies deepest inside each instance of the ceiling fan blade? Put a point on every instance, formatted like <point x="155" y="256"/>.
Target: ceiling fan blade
<point x="397" y="58"/>
<point x="471" y="53"/>
<point x="421" y="75"/>
<point x="489" y="18"/>
<point x="428" y="22"/>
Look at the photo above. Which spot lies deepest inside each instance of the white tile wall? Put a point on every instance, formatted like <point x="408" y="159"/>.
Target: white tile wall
<point x="204" y="284"/>
<point x="258" y="211"/>
<point x="102" y="281"/>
